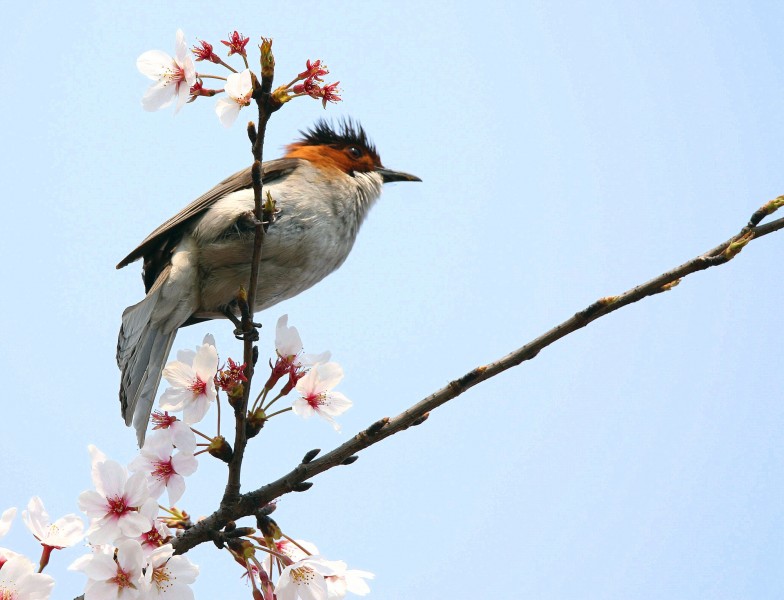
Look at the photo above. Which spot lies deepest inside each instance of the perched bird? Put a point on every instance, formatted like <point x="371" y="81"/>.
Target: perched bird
<point x="195" y="263"/>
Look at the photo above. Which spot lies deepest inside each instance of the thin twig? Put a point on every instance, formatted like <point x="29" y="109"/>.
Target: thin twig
<point x="248" y="503"/>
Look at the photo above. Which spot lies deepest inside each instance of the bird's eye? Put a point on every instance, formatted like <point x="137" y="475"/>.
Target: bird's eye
<point x="354" y="152"/>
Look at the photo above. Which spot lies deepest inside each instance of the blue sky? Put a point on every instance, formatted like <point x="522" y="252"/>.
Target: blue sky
<point x="568" y="151"/>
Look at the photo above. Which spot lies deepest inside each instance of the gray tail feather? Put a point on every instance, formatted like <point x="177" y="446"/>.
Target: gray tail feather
<point x="142" y="349"/>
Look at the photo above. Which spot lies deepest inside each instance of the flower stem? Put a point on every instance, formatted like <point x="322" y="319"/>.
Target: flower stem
<point x="271" y="402"/>
<point x="197" y="432"/>
<point x="205" y="76"/>
<point x="282" y="410"/>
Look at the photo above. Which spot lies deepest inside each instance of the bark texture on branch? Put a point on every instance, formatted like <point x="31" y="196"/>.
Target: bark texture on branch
<point x="246" y="504"/>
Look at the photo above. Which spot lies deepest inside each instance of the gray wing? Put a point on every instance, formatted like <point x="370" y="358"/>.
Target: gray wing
<point x="165" y="237"/>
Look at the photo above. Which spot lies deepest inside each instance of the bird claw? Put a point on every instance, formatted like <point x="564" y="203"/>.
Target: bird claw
<point x="252" y="335"/>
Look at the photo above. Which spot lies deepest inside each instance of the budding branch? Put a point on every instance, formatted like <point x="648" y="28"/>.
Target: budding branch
<point x="297" y="479"/>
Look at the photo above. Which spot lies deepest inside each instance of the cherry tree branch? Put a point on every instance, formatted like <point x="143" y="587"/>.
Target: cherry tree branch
<point x="297" y="479"/>
<point x="266" y="106"/>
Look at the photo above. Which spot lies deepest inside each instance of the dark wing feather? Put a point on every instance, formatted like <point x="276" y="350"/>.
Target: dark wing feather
<point x="165" y="237"/>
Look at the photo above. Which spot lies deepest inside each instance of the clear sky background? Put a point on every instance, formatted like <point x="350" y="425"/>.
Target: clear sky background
<point x="568" y="151"/>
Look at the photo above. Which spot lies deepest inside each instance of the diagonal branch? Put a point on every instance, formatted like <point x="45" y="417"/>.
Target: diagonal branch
<point x="297" y="479"/>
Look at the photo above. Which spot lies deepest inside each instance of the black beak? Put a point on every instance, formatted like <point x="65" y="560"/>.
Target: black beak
<point x="389" y="176"/>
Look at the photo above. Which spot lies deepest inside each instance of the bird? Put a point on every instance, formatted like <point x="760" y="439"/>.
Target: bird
<point x="195" y="263"/>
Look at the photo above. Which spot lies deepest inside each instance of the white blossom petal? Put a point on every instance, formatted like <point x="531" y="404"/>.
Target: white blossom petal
<point x="5" y="520"/>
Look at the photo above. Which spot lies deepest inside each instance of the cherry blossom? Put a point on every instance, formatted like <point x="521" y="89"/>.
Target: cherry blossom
<point x="154" y="538"/>
<point x="239" y="89"/>
<point x="291" y="360"/>
<point x="64" y="532"/>
<point x="305" y="579"/>
<point x="19" y="581"/>
<point x="173" y="76"/>
<point x="168" y="576"/>
<point x="180" y="435"/>
<point x="163" y="469"/>
<point x="119" y="506"/>
<point x="110" y="578"/>
<point x="316" y="395"/>
<point x="192" y="379"/>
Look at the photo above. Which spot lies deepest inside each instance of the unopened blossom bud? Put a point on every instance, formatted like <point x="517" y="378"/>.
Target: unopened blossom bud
<point x="198" y="89"/>
<point x="268" y="527"/>
<point x="255" y="422"/>
<point x="242" y="548"/>
<point x="267" y="58"/>
<point x="220" y="448"/>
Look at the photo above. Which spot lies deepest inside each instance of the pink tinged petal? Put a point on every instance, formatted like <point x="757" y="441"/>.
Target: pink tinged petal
<point x="183" y="437"/>
<point x="183" y="93"/>
<point x="206" y="362"/>
<point x="176" y="488"/>
<point x="185" y="463"/>
<point x="329" y="375"/>
<point x="36" y="518"/>
<point x="133" y="524"/>
<point x="180" y="47"/>
<point x="331" y="421"/>
<point x="355" y="581"/>
<point x="5" y="520"/>
<point x="154" y="64"/>
<point x="93" y="504"/>
<point x="66" y="531"/>
<point x="336" y="404"/>
<point x="81" y="563"/>
<point x="159" y="95"/>
<point x="179" y="374"/>
<point x="307" y="384"/>
<point x="6" y="555"/>
<point x="175" y="399"/>
<point x="287" y="339"/>
<point x="95" y="566"/>
<point x="130" y="556"/>
<point x="156" y="487"/>
<point x="302" y="408"/>
<point x="105" y="590"/>
<point x="227" y="111"/>
<point x="195" y="410"/>
<point x="309" y="360"/>
<point x="104" y="531"/>
<point x="136" y="490"/>
<point x="239" y="86"/>
<point x="183" y="568"/>
<point x="158" y="446"/>
<point x="112" y="476"/>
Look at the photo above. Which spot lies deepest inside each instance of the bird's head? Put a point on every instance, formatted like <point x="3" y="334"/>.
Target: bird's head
<point x="346" y="148"/>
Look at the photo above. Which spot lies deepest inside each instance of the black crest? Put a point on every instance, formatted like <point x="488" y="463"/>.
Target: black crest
<point x="347" y="133"/>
